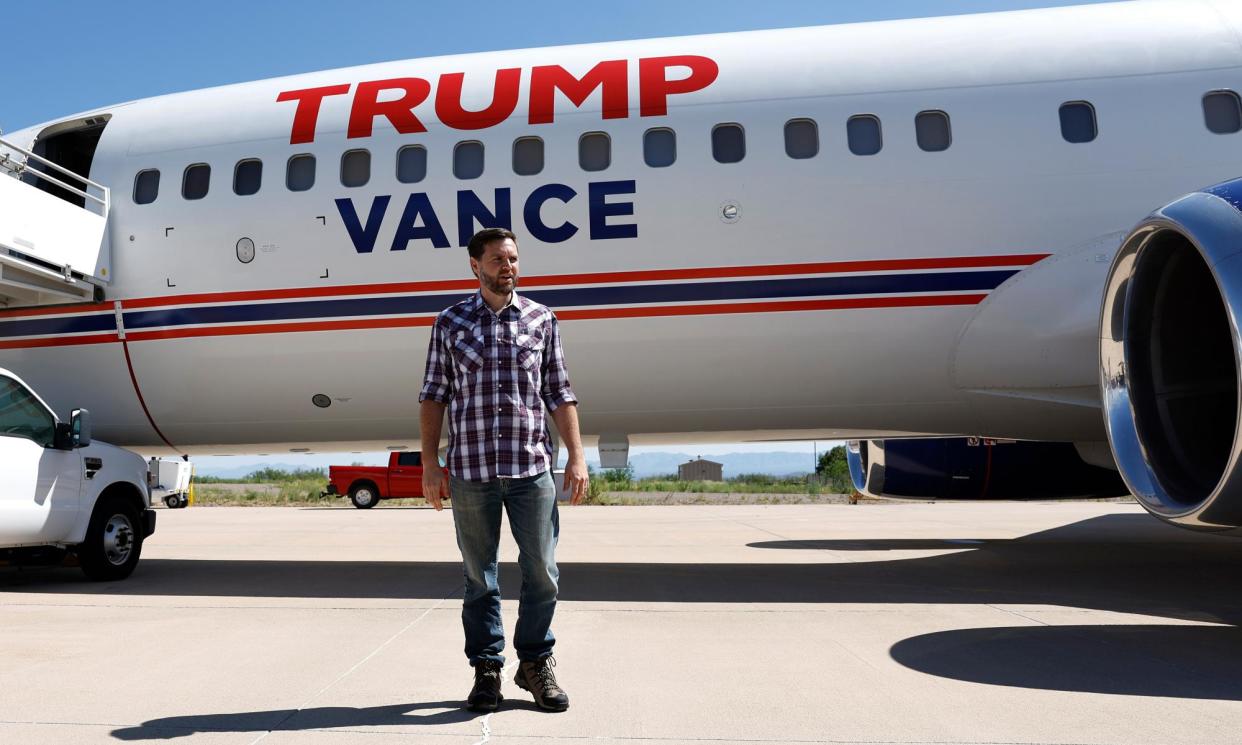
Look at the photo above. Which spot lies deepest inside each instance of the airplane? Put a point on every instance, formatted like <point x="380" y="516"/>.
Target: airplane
<point x="998" y="226"/>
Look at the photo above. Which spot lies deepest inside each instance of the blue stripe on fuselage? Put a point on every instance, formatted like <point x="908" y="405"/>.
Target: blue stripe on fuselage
<point x="57" y="326"/>
<point x="760" y="289"/>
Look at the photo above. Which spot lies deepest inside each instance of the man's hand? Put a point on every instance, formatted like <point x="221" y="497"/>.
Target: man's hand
<point x="576" y="479"/>
<point x="435" y="486"/>
<point x="435" y="483"/>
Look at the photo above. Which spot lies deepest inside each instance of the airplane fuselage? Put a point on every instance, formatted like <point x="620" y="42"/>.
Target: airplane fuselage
<point x="822" y="265"/>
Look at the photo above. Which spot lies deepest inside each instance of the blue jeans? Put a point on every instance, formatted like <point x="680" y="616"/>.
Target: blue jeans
<point x="535" y="523"/>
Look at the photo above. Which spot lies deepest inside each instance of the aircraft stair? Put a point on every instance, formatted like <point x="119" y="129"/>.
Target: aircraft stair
<point x="53" y="246"/>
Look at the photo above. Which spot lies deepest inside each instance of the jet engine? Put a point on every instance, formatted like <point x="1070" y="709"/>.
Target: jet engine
<point x="1169" y="359"/>
<point x="975" y="468"/>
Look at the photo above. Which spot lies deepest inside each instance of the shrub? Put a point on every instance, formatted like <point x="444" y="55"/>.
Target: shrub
<point x="834" y="471"/>
<point x="618" y="476"/>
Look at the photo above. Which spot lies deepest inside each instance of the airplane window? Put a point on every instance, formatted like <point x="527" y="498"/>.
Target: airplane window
<point x="659" y="147"/>
<point x="411" y="164"/>
<point x="864" y="134"/>
<point x="1078" y="122"/>
<point x="931" y="129"/>
<point x="300" y="173"/>
<point x="247" y="177"/>
<point x="728" y="143"/>
<point x="468" y="160"/>
<point x="196" y="181"/>
<point x="594" y="151"/>
<point x="1222" y="111"/>
<point x="801" y="138"/>
<point x="146" y="186"/>
<point x="527" y="156"/>
<point x="355" y="168"/>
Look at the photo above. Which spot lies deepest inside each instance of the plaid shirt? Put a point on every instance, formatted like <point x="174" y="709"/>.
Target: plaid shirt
<point x="497" y="372"/>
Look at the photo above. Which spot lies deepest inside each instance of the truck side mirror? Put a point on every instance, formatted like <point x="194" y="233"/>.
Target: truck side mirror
<point x="80" y="427"/>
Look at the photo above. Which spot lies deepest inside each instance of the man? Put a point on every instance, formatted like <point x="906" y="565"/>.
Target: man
<point x="495" y="362"/>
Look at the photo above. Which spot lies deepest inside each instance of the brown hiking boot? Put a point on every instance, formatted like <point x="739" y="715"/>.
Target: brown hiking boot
<point x="485" y="696"/>
<point x="537" y="678"/>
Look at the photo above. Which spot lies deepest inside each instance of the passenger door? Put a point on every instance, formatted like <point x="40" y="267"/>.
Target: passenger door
<point x="405" y="477"/>
<point x="40" y="486"/>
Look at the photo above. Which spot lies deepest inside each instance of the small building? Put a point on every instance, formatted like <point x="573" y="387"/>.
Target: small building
<point x="701" y="470"/>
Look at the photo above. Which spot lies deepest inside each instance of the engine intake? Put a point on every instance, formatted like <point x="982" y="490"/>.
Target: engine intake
<point x="1169" y="359"/>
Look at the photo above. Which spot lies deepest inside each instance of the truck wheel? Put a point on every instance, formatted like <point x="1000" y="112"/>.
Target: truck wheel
<point x="364" y="496"/>
<point x="113" y="541"/>
<point x="172" y="501"/>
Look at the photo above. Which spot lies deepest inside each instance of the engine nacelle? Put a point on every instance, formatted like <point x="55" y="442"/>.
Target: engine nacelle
<point x="973" y="468"/>
<point x="1169" y="359"/>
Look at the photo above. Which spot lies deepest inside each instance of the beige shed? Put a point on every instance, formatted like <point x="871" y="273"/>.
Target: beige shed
<point x="701" y="470"/>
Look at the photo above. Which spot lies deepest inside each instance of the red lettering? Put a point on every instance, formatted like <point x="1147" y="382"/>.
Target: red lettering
<point x="546" y="80"/>
<point x="504" y="100"/>
<point x="655" y="87"/>
<point x="399" y="112"/>
<point x="307" y="114"/>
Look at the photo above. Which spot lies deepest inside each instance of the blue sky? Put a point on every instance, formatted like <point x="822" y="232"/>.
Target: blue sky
<point x="104" y="53"/>
<point x="97" y="53"/>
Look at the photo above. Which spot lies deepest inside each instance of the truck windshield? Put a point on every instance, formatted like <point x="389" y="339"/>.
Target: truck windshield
<point x="21" y="414"/>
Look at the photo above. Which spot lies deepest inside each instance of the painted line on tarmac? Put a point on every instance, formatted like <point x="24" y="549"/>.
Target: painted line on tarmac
<point x="359" y="664"/>
<point x="487" y="720"/>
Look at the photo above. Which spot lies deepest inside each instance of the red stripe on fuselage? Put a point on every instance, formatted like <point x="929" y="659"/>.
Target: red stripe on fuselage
<point x="57" y="310"/>
<point x="782" y="306"/>
<point x="571" y="315"/>
<point x="58" y="341"/>
<point x="552" y="280"/>
<point x="281" y="328"/>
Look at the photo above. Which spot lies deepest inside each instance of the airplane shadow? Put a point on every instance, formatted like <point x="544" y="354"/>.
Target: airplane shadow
<point x="1127" y="563"/>
<point x="1195" y="662"/>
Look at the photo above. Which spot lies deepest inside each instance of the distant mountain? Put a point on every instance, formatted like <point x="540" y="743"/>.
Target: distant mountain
<point x="774" y="464"/>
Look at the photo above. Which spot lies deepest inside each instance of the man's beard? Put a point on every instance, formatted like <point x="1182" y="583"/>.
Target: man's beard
<point x="494" y="283"/>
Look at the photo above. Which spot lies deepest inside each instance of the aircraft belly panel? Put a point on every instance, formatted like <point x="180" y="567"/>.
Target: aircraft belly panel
<point x="875" y="369"/>
<point x="257" y="388"/>
<point x="91" y="376"/>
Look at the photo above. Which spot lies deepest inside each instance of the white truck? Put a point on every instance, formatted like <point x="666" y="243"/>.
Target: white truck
<point x="60" y="492"/>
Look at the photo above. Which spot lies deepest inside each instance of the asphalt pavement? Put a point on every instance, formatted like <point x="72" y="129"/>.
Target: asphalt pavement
<point x="890" y="623"/>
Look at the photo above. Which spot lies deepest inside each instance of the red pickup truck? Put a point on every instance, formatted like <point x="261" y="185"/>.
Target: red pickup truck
<point x="402" y="478"/>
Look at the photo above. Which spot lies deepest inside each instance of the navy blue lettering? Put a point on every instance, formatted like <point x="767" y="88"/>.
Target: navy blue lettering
<point x="419" y="206"/>
<point x="534" y="221"/>
<point x="601" y="210"/>
<point x="363" y="237"/>
<point x="471" y="208"/>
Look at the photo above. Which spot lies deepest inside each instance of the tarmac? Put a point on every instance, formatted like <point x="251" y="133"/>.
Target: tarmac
<point x="893" y="623"/>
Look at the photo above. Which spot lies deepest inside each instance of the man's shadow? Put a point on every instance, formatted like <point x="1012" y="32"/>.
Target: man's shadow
<point x="324" y="717"/>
